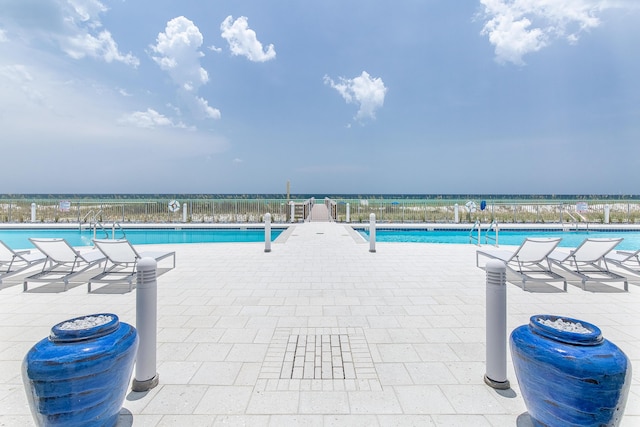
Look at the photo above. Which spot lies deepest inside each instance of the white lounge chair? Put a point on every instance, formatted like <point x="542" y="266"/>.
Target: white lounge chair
<point x="122" y="259"/>
<point x="13" y="262"/>
<point x="588" y="261"/>
<point x="628" y="260"/>
<point x="529" y="261"/>
<point x="62" y="262"/>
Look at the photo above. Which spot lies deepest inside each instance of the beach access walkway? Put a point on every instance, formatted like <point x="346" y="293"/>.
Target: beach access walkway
<point x="317" y="332"/>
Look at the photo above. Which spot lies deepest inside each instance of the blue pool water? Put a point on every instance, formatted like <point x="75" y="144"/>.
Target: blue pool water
<point x="505" y="237"/>
<point x="19" y="238"/>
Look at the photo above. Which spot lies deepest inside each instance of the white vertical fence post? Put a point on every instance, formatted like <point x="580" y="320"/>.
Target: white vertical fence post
<point x="348" y="213"/>
<point x="607" y="209"/>
<point x="146" y="376"/>
<point x="456" y="213"/>
<point x="267" y="232"/>
<point x="372" y="232"/>
<point x="496" y="325"/>
<point x="33" y="212"/>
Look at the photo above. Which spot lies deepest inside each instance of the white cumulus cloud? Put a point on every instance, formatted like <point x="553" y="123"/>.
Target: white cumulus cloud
<point x="177" y="51"/>
<point x="75" y="26"/>
<point x="101" y="46"/>
<point x="149" y="119"/>
<point x="243" y="40"/>
<point x="365" y="91"/>
<point x="203" y="106"/>
<point x="519" y="27"/>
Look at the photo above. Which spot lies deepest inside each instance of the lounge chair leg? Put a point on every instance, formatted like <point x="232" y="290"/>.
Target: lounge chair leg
<point x="24" y="287"/>
<point x="89" y="287"/>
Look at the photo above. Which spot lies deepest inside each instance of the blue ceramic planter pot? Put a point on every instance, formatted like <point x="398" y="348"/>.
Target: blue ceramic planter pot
<point x="80" y="377"/>
<point x="569" y="378"/>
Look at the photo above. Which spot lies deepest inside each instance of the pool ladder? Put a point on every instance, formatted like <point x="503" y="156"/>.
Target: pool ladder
<point x="476" y="233"/>
<point x="94" y="223"/>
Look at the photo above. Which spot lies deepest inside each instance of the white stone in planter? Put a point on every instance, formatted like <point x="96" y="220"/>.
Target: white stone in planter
<point x="566" y="326"/>
<point x="86" y="322"/>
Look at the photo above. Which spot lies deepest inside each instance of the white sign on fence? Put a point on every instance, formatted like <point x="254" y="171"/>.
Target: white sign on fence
<point x="582" y="207"/>
<point x="65" y="205"/>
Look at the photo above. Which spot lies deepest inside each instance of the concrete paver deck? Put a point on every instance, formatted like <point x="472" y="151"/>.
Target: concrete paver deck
<point x="251" y="338"/>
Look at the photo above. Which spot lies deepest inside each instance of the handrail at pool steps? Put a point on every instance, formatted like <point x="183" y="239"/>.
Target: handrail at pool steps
<point x="94" y="222"/>
<point x="475" y="234"/>
<point x="493" y="226"/>
<point x="113" y="230"/>
<point x="472" y="235"/>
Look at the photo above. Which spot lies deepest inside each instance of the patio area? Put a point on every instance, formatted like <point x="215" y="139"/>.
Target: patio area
<point x="408" y="323"/>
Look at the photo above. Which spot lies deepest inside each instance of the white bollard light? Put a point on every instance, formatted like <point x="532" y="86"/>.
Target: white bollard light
<point x="372" y="232"/>
<point x="496" y="325"/>
<point x="456" y="213"/>
<point x="33" y="212"/>
<point x="607" y="209"/>
<point x="267" y="232"/>
<point x="348" y="213"/>
<point x="146" y="376"/>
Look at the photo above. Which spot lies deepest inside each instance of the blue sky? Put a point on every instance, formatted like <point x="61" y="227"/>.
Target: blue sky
<point x="412" y="96"/>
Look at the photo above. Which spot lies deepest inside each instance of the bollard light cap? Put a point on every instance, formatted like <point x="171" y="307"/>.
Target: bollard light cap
<point x="495" y="265"/>
<point x="146" y="264"/>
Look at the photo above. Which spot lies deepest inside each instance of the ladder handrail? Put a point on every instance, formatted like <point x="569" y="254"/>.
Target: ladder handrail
<point x="471" y="235"/>
<point x="113" y="230"/>
<point x="92" y="221"/>
<point x="493" y="225"/>
<point x="84" y="218"/>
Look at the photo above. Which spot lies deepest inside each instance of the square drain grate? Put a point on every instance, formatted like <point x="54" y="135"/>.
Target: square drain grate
<point x="326" y="356"/>
<point x="318" y="359"/>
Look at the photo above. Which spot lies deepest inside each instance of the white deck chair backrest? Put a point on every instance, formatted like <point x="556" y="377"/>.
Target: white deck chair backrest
<point x="6" y="253"/>
<point x="535" y="250"/>
<point x="626" y="256"/>
<point x="117" y="251"/>
<point x="58" y="250"/>
<point x="592" y="249"/>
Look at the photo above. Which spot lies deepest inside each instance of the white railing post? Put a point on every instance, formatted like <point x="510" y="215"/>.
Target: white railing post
<point x="184" y="212"/>
<point x="292" y="207"/>
<point x="267" y="232"/>
<point x="146" y="376"/>
<point x="33" y="212"/>
<point x="496" y="325"/>
<point x="606" y="213"/>
<point x="348" y="213"/>
<point x="372" y="232"/>
<point x="456" y="213"/>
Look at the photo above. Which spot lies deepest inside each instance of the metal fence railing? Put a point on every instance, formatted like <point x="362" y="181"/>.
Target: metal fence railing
<point x="23" y="210"/>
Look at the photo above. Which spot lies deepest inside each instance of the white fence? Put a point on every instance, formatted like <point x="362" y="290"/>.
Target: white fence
<point x="25" y="210"/>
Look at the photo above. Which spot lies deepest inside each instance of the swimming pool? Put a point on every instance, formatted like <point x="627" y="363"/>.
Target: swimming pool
<point x="18" y="238"/>
<point x="505" y="237"/>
